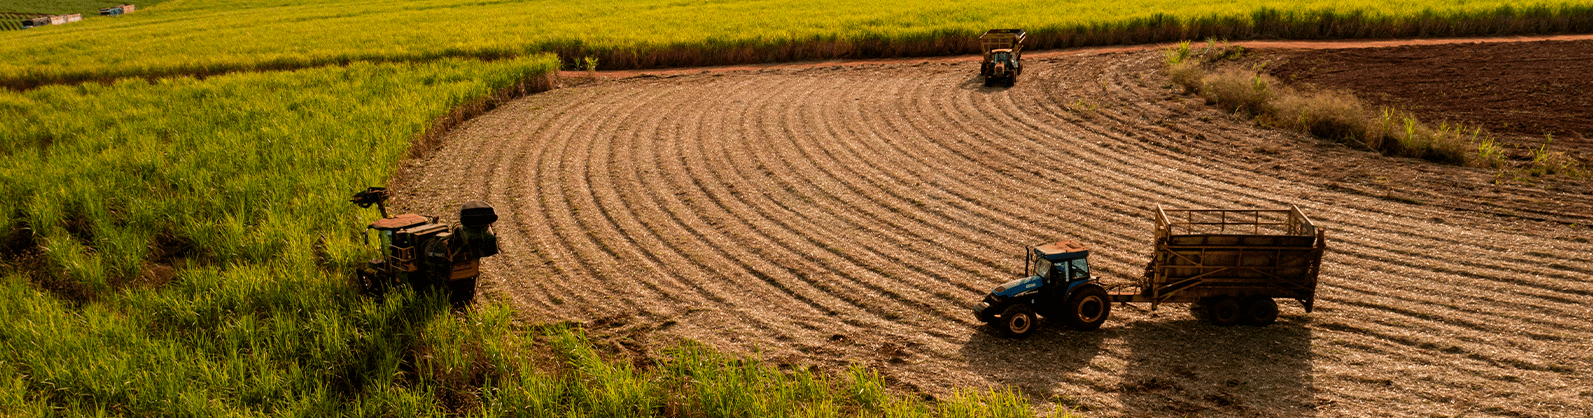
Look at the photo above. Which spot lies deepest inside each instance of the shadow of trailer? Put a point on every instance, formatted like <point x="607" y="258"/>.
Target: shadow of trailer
<point x="1231" y="264"/>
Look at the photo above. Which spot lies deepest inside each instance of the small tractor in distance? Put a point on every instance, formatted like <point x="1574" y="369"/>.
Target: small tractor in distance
<point x="1228" y="264"/>
<point x="425" y="253"/>
<point x="1003" y="50"/>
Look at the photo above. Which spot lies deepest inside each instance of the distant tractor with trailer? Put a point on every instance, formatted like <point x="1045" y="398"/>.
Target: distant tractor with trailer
<point x="1228" y="265"/>
<point x="1003" y="50"/>
<point x="428" y="254"/>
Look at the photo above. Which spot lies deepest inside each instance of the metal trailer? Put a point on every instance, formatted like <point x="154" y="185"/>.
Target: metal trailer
<point x="1003" y="53"/>
<point x="1231" y="264"/>
<point x="1228" y="264"/>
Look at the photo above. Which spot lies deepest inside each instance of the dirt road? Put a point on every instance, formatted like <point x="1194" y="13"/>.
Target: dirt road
<point x="853" y="214"/>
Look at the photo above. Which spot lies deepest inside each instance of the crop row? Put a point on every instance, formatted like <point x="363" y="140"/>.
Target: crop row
<point x="635" y="34"/>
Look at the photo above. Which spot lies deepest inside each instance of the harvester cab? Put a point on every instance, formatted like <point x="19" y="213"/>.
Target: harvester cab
<point x="426" y="253"/>
<point x="1003" y="55"/>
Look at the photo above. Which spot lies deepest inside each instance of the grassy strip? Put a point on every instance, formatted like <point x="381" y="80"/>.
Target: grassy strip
<point x="1340" y="116"/>
<point x="626" y="34"/>
<point x="247" y="347"/>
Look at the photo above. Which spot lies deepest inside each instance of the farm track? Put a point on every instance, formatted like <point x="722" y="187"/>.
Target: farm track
<point x="837" y="215"/>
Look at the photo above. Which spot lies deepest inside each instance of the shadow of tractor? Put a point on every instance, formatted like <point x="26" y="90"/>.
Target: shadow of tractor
<point x="1171" y="364"/>
<point x="1035" y="365"/>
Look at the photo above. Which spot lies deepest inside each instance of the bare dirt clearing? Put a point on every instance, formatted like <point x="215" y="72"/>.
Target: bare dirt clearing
<point x="836" y="215"/>
<point x="1520" y="90"/>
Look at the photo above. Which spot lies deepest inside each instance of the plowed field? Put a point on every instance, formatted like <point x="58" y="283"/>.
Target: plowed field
<point x="853" y="214"/>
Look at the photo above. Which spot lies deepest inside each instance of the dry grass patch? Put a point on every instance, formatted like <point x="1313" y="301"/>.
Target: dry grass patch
<point x="1337" y="115"/>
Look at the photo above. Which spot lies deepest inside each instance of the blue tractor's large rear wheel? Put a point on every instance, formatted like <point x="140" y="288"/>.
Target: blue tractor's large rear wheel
<point x="1088" y="308"/>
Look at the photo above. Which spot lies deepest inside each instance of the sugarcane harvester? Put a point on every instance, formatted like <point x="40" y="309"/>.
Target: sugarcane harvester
<point x="1229" y="265"/>
<point x="1003" y="51"/>
<point x="426" y="253"/>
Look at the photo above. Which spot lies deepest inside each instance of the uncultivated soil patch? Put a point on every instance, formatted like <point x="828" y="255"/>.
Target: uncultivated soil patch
<point x="854" y="214"/>
<point x="1522" y="91"/>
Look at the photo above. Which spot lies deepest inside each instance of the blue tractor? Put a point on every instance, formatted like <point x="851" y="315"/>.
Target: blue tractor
<point x="1058" y="285"/>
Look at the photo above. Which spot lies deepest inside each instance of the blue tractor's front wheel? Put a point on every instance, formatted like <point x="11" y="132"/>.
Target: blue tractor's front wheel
<point x="1018" y="321"/>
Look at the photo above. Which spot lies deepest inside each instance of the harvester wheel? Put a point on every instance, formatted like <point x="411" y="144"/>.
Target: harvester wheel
<point x="1260" y="311"/>
<point x="367" y="282"/>
<point x="988" y="83"/>
<point x="1088" y="308"/>
<point x="462" y="291"/>
<point x="1225" y="311"/>
<point x="1018" y="321"/>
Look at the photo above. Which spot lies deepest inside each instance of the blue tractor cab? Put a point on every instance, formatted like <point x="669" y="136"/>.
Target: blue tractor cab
<point x="1057" y="286"/>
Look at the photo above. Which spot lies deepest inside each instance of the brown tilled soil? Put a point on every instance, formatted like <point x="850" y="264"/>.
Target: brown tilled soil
<point x="853" y="214"/>
<point x="1522" y="91"/>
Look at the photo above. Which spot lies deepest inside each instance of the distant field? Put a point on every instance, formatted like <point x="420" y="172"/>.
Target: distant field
<point x="277" y="34"/>
<point x="86" y="7"/>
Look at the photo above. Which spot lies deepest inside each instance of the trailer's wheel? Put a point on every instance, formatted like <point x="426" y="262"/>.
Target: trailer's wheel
<point x="1225" y="311"/>
<point x="987" y="81"/>
<point x="1019" y="321"/>
<point x="462" y="291"/>
<point x="1260" y="311"/>
<point x="1198" y="310"/>
<point x="1088" y="308"/>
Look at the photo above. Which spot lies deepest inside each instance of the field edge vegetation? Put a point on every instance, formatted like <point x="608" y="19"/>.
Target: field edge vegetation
<point x="1211" y="73"/>
<point x="752" y="47"/>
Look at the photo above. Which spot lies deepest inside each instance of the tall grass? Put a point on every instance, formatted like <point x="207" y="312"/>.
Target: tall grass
<point x="158" y="241"/>
<point x="1335" y="115"/>
<point x="257" y="35"/>
<point x="236" y="169"/>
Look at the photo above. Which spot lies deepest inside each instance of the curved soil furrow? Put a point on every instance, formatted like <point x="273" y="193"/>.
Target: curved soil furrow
<point x="562" y="185"/>
<point x="853" y="214"/>
<point x="720" y="254"/>
<point x="722" y="187"/>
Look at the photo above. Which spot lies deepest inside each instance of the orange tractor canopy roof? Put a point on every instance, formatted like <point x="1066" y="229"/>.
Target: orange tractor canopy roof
<point x="1062" y="250"/>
